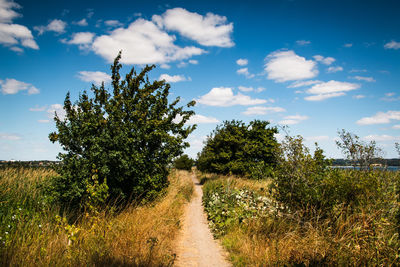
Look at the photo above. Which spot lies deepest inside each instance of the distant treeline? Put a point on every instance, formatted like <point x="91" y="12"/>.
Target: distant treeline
<point x="386" y="162"/>
<point x="33" y="163"/>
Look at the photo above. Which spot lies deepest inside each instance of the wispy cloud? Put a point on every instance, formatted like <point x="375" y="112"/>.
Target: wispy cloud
<point x="262" y="110"/>
<point x="334" y="69"/>
<point x="303" y="42"/>
<point x="392" y="45"/>
<point x="293" y="119"/>
<point x="365" y="79"/>
<point x="324" y="60"/>
<point x="245" y="72"/>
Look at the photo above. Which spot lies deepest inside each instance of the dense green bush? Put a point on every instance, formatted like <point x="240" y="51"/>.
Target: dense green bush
<point x="304" y="182"/>
<point x="119" y="143"/>
<point x="184" y="163"/>
<point x="240" y="149"/>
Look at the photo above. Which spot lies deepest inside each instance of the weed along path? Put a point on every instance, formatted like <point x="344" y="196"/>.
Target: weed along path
<point x="196" y="245"/>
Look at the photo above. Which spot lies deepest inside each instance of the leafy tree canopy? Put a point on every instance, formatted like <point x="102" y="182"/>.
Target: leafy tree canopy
<point x="121" y="140"/>
<point x="183" y="163"/>
<point x="237" y="148"/>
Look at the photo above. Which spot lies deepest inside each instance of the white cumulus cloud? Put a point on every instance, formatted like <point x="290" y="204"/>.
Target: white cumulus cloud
<point x="96" y="77"/>
<point x="12" y="86"/>
<point x="56" y="25"/>
<point x="242" y="62"/>
<point x="263" y="110"/>
<point x="82" y="39"/>
<point x="380" y="118"/>
<point x="283" y="66"/>
<point x="329" y="89"/>
<point x="224" y="97"/>
<point x="208" y="30"/>
<point x="12" y="35"/>
<point x="142" y="43"/>
<point x="173" y="78"/>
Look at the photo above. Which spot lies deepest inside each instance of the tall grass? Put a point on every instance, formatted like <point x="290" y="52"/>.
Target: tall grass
<point x="362" y="234"/>
<point x="34" y="234"/>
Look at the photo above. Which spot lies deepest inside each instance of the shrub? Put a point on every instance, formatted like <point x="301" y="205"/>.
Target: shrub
<point x="184" y="163"/>
<point x="122" y="140"/>
<point x="236" y="148"/>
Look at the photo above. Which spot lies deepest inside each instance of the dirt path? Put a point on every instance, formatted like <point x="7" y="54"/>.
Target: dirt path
<point x="196" y="245"/>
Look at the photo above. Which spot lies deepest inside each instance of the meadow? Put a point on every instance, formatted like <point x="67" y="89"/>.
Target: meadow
<point x="257" y="229"/>
<point x="36" y="232"/>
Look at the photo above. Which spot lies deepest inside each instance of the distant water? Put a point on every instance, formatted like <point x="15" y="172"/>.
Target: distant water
<point x="388" y="168"/>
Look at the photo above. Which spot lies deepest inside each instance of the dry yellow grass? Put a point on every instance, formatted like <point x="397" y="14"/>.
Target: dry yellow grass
<point x="361" y="237"/>
<point x="136" y="236"/>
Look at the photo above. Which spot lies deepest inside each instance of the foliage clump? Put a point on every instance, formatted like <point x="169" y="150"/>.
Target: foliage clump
<point x="183" y="163"/>
<point x="240" y="149"/>
<point x="119" y="143"/>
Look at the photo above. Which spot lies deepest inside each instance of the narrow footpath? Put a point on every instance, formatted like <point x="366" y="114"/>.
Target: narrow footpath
<point x="196" y="245"/>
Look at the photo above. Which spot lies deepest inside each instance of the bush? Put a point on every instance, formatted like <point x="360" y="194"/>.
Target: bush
<point x="184" y="163"/>
<point x="236" y="148"/>
<point x="119" y="142"/>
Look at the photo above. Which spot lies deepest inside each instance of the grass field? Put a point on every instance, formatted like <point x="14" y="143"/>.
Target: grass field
<point x="34" y="233"/>
<point x="257" y="230"/>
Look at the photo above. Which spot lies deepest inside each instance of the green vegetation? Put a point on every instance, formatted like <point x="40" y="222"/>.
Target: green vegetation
<point x="306" y="213"/>
<point x="259" y="230"/>
<point x="34" y="233"/>
<point x="239" y="149"/>
<point x="118" y="144"/>
<point x="183" y="163"/>
<point x="358" y="152"/>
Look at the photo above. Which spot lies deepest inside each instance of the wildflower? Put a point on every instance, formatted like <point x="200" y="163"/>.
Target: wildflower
<point x="13" y="217"/>
<point x="9" y="226"/>
<point x="6" y="233"/>
<point x="19" y="209"/>
<point x="40" y="226"/>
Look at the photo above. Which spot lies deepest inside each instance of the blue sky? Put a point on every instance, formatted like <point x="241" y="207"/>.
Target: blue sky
<point x="316" y="66"/>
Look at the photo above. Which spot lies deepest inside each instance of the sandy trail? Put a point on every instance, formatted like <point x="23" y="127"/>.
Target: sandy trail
<point x="196" y="245"/>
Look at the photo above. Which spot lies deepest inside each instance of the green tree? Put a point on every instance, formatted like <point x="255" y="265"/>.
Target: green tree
<point x="237" y="148"/>
<point x="358" y="152"/>
<point x="120" y="141"/>
<point x="183" y="163"/>
<point x="298" y="178"/>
